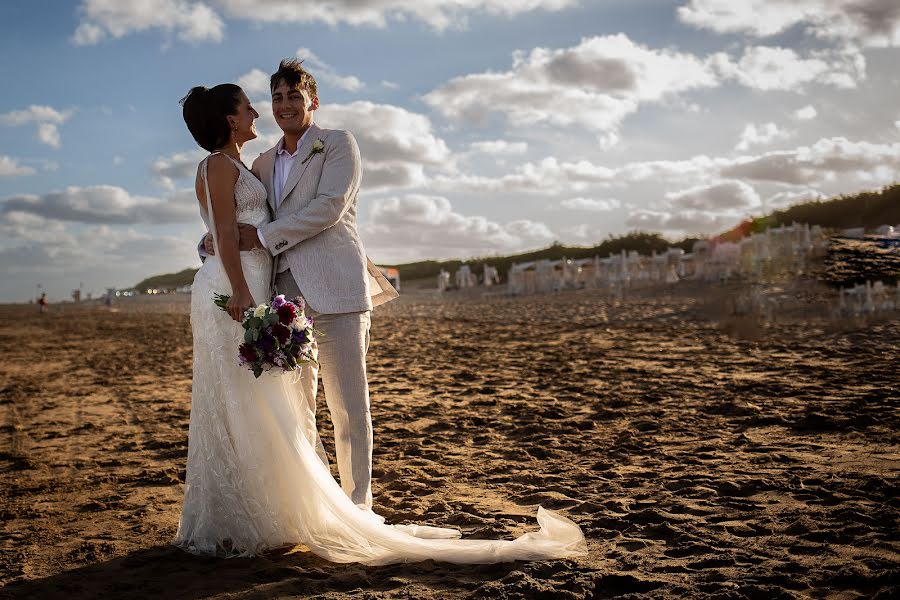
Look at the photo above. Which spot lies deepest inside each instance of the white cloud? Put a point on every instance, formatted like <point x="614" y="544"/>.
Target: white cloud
<point x="386" y="132"/>
<point x="807" y="113"/>
<point x="178" y="166"/>
<point x="845" y="165"/>
<point x="500" y="147"/>
<point x="773" y="68"/>
<point x="700" y="210"/>
<point x="62" y="256"/>
<point x="789" y="198"/>
<point x="194" y="21"/>
<point x="585" y="234"/>
<point x="9" y="166"/>
<point x="834" y="160"/>
<point x="48" y="133"/>
<point x="827" y="160"/>
<point x="593" y="85"/>
<point x="46" y="118"/>
<point x="395" y="144"/>
<point x="872" y="23"/>
<point x="719" y="196"/>
<point x="684" y="222"/>
<point x="548" y="175"/>
<point x="761" y="135"/>
<point x="189" y="21"/>
<point x="325" y="72"/>
<point x="437" y="14"/>
<point x="255" y="83"/>
<point x="415" y="226"/>
<point x="34" y="114"/>
<point x="589" y="204"/>
<point x="104" y="204"/>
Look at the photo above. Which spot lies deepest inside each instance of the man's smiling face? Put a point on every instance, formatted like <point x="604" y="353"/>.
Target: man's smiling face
<point x="292" y="108"/>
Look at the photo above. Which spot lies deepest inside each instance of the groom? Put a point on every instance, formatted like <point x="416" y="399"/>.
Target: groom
<point x="312" y="177"/>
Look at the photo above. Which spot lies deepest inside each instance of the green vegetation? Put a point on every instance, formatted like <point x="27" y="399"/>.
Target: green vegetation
<point x="643" y="242"/>
<point x="170" y="281"/>
<point x="865" y="209"/>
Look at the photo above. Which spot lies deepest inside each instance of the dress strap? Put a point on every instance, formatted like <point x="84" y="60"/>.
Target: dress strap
<point x="237" y="163"/>
<point x="204" y="173"/>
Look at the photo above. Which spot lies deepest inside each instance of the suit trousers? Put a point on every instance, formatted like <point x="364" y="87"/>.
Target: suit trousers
<point x="341" y="354"/>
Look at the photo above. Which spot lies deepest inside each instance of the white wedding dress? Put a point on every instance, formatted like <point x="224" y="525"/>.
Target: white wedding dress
<point x="254" y="478"/>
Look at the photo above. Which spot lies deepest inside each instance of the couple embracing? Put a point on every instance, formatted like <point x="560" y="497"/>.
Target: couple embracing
<point x="257" y="474"/>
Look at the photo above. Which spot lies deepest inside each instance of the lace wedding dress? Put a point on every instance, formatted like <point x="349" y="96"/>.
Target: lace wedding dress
<point x="255" y="480"/>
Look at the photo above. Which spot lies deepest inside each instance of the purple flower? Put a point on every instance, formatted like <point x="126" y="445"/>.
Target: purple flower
<point x="278" y="301"/>
<point x="266" y="342"/>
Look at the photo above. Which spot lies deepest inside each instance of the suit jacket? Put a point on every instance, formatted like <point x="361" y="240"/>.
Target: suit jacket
<point x="314" y="229"/>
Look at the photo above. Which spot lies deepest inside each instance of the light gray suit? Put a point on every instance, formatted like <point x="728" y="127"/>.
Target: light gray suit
<point x="314" y="234"/>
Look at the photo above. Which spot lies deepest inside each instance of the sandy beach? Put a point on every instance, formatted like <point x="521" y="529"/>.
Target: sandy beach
<point x="703" y="454"/>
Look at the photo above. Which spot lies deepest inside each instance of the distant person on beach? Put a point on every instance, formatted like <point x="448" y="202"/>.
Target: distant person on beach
<point x="257" y="474"/>
<point x="42" y="303"/>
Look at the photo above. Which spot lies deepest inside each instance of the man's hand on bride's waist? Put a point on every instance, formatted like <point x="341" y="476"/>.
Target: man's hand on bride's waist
<point x="249" y="240"/>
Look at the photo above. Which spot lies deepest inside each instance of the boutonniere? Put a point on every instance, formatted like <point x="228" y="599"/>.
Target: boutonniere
<point x="317" y="148"/>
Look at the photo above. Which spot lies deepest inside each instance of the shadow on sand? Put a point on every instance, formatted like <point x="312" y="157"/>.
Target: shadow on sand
<point x="167" y="572"/>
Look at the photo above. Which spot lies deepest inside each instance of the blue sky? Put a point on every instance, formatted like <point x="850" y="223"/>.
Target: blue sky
<point x="486" y="126"/>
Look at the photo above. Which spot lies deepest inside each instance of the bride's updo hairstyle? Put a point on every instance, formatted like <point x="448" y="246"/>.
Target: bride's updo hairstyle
<point x="206" y="110"/>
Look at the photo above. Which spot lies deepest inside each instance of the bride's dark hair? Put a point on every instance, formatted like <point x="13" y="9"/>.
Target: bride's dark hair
<point x="206" y="110"/>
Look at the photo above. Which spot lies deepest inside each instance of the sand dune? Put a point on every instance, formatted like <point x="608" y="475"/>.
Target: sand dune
<point x="702" y="454"/>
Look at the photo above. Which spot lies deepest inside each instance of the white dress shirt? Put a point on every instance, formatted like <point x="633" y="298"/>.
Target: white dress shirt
<point x="284" y="162"/>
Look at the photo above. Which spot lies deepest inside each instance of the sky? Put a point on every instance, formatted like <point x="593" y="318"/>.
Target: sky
<point x="486" y="127"/>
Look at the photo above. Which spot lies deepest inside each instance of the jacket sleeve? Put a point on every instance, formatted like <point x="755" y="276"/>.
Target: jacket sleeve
<point x="201" y="250"/>
<point x="336" y="193"/>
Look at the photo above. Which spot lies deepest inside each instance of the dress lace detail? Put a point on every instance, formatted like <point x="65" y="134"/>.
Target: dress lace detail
<point x="254" y="479"/>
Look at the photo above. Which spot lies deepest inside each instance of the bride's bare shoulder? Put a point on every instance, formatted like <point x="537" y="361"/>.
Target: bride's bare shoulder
<point x="220" y="165"/>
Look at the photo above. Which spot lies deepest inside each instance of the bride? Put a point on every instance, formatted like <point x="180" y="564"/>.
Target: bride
<point x="254" y="479"/>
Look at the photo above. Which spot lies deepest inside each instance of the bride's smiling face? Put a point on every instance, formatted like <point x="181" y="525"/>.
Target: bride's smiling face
<point x="292" y="108"/>
<point x="243" y="123"/>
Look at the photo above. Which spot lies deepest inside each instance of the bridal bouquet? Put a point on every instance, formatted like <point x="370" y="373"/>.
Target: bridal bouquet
<point x="277" y="334"/>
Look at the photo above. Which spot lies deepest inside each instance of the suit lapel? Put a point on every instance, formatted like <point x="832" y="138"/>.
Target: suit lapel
<point x="299" y="166"/>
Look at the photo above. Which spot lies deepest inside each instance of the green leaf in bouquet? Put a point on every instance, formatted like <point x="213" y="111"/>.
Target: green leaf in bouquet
<point x="249" y="337"/>
<point x="221" y="300"/>
<point x="255" y="323"/>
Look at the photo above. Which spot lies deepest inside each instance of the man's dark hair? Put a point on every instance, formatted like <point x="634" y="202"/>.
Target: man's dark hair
<point x="291" y="71"/>
<point x="206" y="111"/>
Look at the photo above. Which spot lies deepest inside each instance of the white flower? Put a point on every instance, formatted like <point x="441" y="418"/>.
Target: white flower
<point x="318" y="147"/>
<point x="300" y="323"/>
<point x="260" y="311"/>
